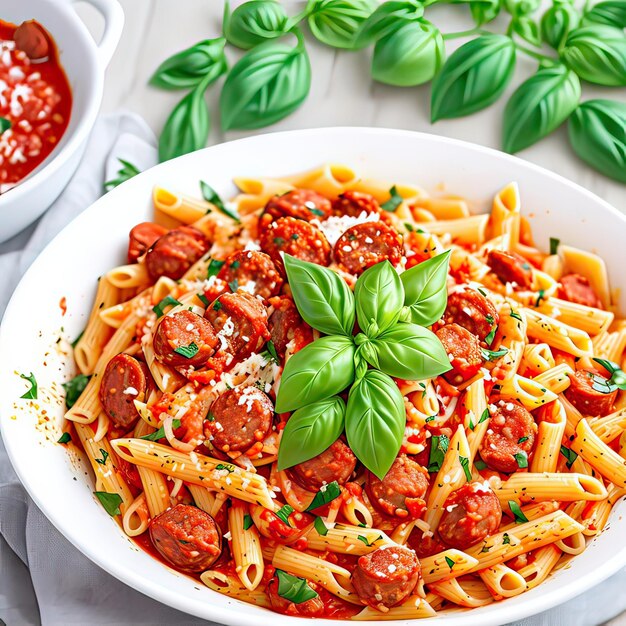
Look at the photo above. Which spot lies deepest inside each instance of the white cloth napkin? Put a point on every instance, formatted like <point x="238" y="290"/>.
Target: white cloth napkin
<point x="43" y="578"/>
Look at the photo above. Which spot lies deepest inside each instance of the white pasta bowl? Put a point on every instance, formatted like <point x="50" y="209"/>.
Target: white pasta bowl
<point x="84" y="63"/>
<point x="96" y="241"/>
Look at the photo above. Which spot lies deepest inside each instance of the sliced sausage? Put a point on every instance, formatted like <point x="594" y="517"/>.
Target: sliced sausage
<point x="425" y="545"/>
<point x="253" y="272"/>
<point x="585" y="398"/>
<point x="463" y="350"/>
<point x="401" y="492"/>
<point x="364" y="245"/>
<point x="576" y="288"/>
<point x="512" y="431"/>
<point x="141" y="237"/>
<point x="470" y="514"/>
<point x="286" y="325"/>
<point x="354" y="203"/>
<point x="387" y="576"/>
<point x="297" y="238"/>
<point x="302" y="204"/>
<point x="175" y="252"/>
<point x="241" y="323"/>
<point x="310" y="608"/>
<point x="187" y="537"/>
<point x="510" y="267"/>
<point x="337" y="462"/>
<point x="473" y="311"/>
<point x="177" y="334"/>
<point x="125" y="379"/>
<point x="31" y="38"/>
<point x="239" y="418"/>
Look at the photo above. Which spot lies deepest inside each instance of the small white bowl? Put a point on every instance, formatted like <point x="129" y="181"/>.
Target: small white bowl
<point x="84" y="62"/>
<point x="96" y="241"/>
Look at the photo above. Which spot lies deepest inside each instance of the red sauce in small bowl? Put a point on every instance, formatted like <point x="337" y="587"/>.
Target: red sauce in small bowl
<point x="35" y="97"/>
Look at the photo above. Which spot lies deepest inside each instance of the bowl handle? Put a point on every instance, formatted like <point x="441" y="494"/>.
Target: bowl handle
<point x="113" y="15"/>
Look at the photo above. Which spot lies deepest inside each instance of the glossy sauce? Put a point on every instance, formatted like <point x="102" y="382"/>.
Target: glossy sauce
<point x="35" y="96"/>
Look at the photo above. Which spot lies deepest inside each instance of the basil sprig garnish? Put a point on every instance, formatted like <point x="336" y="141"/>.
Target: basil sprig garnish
<point x="110" y="501"/>
<point x="210" y="195"/>
<point x="617" y="378"/>
<point x="73" y="389"/>
<point x="374" y="417"/>
<point x="294" y="589"/>
<point x="126" y="172"/>
<point x="518" y="514"/>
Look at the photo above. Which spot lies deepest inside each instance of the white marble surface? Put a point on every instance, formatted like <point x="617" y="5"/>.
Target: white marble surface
<point x="342" y="92"/>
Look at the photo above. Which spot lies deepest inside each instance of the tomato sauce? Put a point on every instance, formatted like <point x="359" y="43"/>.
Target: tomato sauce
<point x="36" y="98"/>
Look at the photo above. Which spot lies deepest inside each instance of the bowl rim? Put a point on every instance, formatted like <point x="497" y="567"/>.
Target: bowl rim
<point x="229" y="615"/>
<point x="74" y="138"/>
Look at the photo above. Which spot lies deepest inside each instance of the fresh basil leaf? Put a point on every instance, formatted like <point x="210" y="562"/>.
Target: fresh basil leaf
<point x="570" y="455"/>
<point x="554" y="245"/>
<point x="410" y="55"/>
<point x="438" y="448"/>
<point x="323" y="298"/>
<point x="410" y="352"/>
<point x="557" y="22"/>
<point x="506" y="539"/>
<point x="322" y="369"/>
<point x="395" y="200"/>
<point x="126" y="172"/>
<point x="31" y="394"/>
<point x="210" y="195"/>
<point x="5" y="124"/>
<point x="160" y="433"/>
<point x="159" y="309"/>
<point x="326" y="494"/>
<point x="539" y="106"/>
<point x="253" y="23"/>
<point x="267" y="84"/>
<point x="187" y="127"/>
<point x="73" y="389"/>
<point x="367" y="542"/>
<point x="320" y="527"/>
<point x="597" y="133"/>
<point x="311" y="430"/>
<point x="375" y="421"/>
<point x="597" y="53"/>
<point x="610" y="12"/>
<point x="527" y="29"/>
<point x="386" y="19"/>
<point x="336" y="22"/>
<point x="379" y="298"/>
<point x="214" y="268"/>
<point x="110" y="501"/>
<point x="492" y="355"/>
<point x="64" y="438"/>
<point x="187" y="351"/>
<point x="520" y="518"/>
<point x="473" y="78"/>
<point x="104" y="456"/>
<point x="425" y="290"/>
<point x="484" y="416"/>
<point x="284" y="512"/>
<point x="294" y="589"/>
<point x="464" y="461"/>
<point x="248" y="522"/>
<point x="204" y="61"/>
<point x="522" y="459"/>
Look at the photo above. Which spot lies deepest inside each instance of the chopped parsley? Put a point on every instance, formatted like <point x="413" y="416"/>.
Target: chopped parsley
<point x="110" y="501"/>
<point x="430" y="418"/>
<point x="284" y="512"/>
<point x="225" y="466"/>
<point x="394" y="201"/>
<point x="73" y="389"/>
<point x="105" y="456"/>
<point x="366" y="541"/>
<point x="159" y="434"/>
<point x="210" y="195"/>
<point x="248" y="522"/>
<point x="484" y="416"/>
<point x="492" y="334"/>
<point x="325" y="495"/>
<point x="279" y="241"/>
<point x="570" y="455"/>
<point x="235" y="265"/>
<point x="491" y="355"/>
<point x="520" y="518"/>
<point x="516" y="315"/>
<point x="465" y="465"/>
<point x="203" y="299"/>
<point x="314" y="209"/>
<point x="409" y="227"/>
<point x="5" y="124"/>
<point x="64" y="438"/>
<point x="450" y="562"/>
<point x="438" y="448"/>
<point x="234" y="285"/>
<point x="554" y="245"/>
<point x="522" y="459"/>
<point x="159" y="309"/>
<point x="506" y="540"/>
<point x="187" y="351"/>
<point x="522" y="439"/>
<point x="217" y="305"/>
<point x="480" y="465"/>
<point x="215" y="265"/>
<point x="31" y="394"/>
<point x="540" y="296"/>
<point x="294" y="589"/>
<point x="270" y="353"/>
<point x="320" y="526"/>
